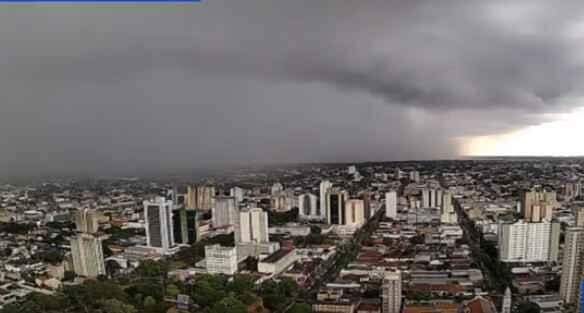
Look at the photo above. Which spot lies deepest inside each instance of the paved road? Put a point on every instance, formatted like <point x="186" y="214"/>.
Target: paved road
<point x="348" y="249"/>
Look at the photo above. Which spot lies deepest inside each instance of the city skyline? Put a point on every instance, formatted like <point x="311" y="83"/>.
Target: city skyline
<point x="306" y="156"/>
<point x="96" y="90"/>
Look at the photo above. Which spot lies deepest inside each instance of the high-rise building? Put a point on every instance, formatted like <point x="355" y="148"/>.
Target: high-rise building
<point x="200" y="197"/>
<point x="159" y="226"/>
<point x="573" y="190"/>
<point x="253" y="227"/>
<point x="221" y="260"/>
<point x="415" y="176"/>
<point x="237" y="193"/>
<point x="325" y="186"/>
<point x="439" y="197"/>
<point x="507" y="301"/>
<point x="308" y="208"/>
<point x="352" y="169"/>
<point x="580" y="217"/>
<point x="284" y="201"/>
<point x="335" y="204"/>
<point x="391" y="293"/>
<point x="537" y="206"/>
<point x="87" y="221"/>
<point x="178" y="199"/>
<point x="572" y="265"/>
<point x="86" y="245"/>
<point x="355" y="212"/>
<point x="425" y="198"/>
<point x="366" y="197"/>
<point x="277" y="188"/>
<point x="223" y="214"/>
<point x="397" y="174"/>
<point x="529" y="242"/>
<point x="87" y="254"/>
<point x="391" y="205"/>
<point x="448" y="214"/>
<point x="432" y="198"/>
<point x="185" y="226"/>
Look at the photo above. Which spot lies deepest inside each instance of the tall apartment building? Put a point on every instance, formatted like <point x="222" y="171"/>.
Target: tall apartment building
<point x="185" y="226"/>
<point x="86" y="245"/>
<point x="391" y="293"/>
<point x="253" y="227"/>
<point x="354" y="212"/>
<point x="86" y="221"/>
<point x="284" y="201"/>
<point x="308" y="207"/>
<point x="221" y="260"/>
<point x="159" y="226"/>
<point x="178" y="199"/>
<point x="572" y="265"/>
<point x="366" y="197"/>
<point x="87" y="254"/>
<point x="573" y="190"/>
<point x="448" y="214"/>
<point x="580" y="217"/>
<point x="276" y="189"/>
<point x="324" y="188"/>
<point x="391" y="205"/>
<point x="432" y="197"/>
<point x="425" y="198"/>
<point x="225" y="211"/>
<point x="335" y="204"/>
<point x="537" y="206"/>
<point x="237" y="193"/>
<point x="529" y="242"/>
<point x="415" y="176"/>
<point x="200" y="198"/>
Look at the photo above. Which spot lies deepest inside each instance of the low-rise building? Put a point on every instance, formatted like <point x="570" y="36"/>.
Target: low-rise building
<point x="278" y="261"/>
<point x="221" y="260"/>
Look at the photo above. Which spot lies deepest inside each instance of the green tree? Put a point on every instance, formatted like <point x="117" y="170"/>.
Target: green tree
<point x="115" y="306"/>
<point x="300" y="308"/>
<point x="149" y="301"/>
<point x="145" y="288"/>
<point x="206" y="293"/>
<point x="172" y="291"/>
<point x="151" y="268"/>
<point x="229" y="304"/>
<point x="241" y="284"/>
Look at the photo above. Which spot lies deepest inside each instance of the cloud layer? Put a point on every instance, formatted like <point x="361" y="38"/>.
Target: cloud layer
<point x="128" y="88"/>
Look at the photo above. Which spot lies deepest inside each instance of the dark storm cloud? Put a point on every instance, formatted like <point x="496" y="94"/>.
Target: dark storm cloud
<point x="126" y="87"/>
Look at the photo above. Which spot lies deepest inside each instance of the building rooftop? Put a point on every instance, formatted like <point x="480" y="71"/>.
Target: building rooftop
<point x="277" y="256"/>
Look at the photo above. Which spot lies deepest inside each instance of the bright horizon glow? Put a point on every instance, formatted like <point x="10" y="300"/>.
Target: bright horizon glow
<point x="562" y="137"/>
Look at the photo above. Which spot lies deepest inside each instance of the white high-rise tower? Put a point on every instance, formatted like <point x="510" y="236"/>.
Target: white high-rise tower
<point x="86" y="245"/>
<point x="253" y="226"/>
<point x="391" y="295"/>
<point x="325" y="186"/>
<point x="87" y="253"/>
<point x="572" y="265"/>
<point x="391" y="204"/>
<point x="159" y="228"/>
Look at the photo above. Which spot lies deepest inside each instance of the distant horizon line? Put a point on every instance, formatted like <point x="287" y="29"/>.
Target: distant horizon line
<point x="213" y="169"/>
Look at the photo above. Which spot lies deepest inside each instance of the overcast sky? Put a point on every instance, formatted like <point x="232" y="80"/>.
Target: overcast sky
<point x="126" y="88"/>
